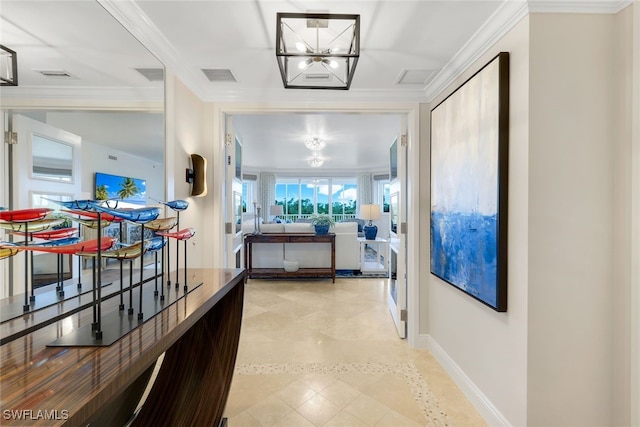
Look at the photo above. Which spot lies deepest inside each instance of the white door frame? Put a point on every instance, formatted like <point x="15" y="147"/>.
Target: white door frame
<point x="412" y="111"/>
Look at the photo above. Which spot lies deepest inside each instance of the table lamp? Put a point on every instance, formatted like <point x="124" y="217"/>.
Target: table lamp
<point x="370" y="212"/>
<point x="276" y="210"/>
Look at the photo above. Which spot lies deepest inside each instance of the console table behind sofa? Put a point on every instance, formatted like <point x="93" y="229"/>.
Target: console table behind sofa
<point x="284" y="238"/>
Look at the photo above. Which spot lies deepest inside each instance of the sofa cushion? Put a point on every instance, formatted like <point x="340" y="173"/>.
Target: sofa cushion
<point x="297" y="227"/>
<point x="358" y="221"/>
<point x="272" y="228"/>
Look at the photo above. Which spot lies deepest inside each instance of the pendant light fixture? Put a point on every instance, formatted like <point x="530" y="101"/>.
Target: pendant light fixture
<point x="317" y="50"/>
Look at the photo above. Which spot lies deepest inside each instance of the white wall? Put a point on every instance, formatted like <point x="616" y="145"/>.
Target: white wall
<point x="635" y="225"/>
<point x="96" y="158"/>
<point x="571" y="206"/>
<point x="490" y="348"/>
<point x="188" y="132"/>
<point x="560" y="356"/>
<point x="623" y="219"/>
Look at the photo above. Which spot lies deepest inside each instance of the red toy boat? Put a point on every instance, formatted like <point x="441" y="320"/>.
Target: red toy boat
<point x="93" y="215"/>
<point x="185" y="234"/>
<point x="24" y="215"/>
<point x="84" y="246"/>
<point x="60" y="233"/>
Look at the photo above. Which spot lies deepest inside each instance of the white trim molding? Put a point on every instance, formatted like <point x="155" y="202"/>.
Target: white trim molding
<point x="485" y="407"/>
<point x="498" y="24"/>
<point x="504" y="19"/>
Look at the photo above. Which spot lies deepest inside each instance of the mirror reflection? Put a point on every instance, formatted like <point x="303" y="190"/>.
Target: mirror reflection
<point x="51" y="159"/>
<point x="73" y="88"/>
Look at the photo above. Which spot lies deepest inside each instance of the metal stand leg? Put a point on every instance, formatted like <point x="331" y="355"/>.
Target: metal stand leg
<point x="162" y="273"/>
<point x="168" y="264"/>
<point x="79" y="260"/>
<point x="177" y="249"/>
<point x="32" y="297"/>
<point x="98" y="301"/>
<point x="140" y="314"/>
<point x="94" y="325"/>
<point x="186" y="288"/>
<point x="155" y="292"/>
<point x="121" y="306"/>
<point x="130" y="311"/>
<point x="60" y="276"/>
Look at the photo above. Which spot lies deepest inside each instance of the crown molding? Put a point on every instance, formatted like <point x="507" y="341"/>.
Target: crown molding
<point x="577" y="6"/>
<point x="92" y="93"/>
<point x="508" y="14"/>
<point x="312" y="95"/>
<point x="503" y="19"/>
<point x="134" y="20"/>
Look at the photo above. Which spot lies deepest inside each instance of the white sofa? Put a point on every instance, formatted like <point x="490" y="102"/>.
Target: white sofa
<point x="272" y="255"/>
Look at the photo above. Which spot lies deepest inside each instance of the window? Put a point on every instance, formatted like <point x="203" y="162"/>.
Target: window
<point x="344" y="197"/>
<point x="303" y="197"/>
<point x="249" y="192"/>
<point x="381" y="191"/>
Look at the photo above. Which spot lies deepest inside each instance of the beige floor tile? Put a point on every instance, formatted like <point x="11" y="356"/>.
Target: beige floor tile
<point x="340" y="393"/>
<point x="393" y="391"/>
<point x="318" y="382"/>
<point x="318" y="410"/>
<point x="296" y="393"/>
<point x="323" y="354"/>
<point x="243" y="419"/>
<point x="394" y="419"/>
<point x="293" y="419"/>
<point x="345" y="419"/>
<point x="269" y="411"/>
<point x="367" y="409"/>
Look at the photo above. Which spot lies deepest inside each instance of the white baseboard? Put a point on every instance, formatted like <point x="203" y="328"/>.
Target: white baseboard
<point x="489" y="412"/>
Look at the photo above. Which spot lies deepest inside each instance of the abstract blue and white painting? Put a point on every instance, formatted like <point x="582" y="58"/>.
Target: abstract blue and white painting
<point x="465" y="187"/>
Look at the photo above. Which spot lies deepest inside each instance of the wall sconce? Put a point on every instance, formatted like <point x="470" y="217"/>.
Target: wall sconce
<point x="197" y="175"/>
<point x="8" y="67"/>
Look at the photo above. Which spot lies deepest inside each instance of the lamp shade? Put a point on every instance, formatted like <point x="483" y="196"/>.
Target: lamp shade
<point x="370" y="212"/>
<point x="276" y="210"/>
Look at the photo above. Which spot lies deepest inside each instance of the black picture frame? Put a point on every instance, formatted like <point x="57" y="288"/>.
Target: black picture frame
<point x="469" y="185"/>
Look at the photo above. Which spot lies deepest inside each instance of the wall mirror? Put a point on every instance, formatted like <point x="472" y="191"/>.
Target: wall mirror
<point x="82" y="72"/>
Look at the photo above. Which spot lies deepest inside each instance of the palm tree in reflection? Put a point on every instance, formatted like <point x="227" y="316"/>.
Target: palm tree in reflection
<point x="101" y="192"/>
<point x="128" y="188"/>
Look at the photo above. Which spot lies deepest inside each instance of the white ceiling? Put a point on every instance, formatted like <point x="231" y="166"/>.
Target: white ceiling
<point x="437" y="37"/>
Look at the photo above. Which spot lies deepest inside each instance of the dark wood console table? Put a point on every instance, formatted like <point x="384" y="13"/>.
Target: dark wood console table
<point x="101" y="386"/>
<point x="274" y="273"/>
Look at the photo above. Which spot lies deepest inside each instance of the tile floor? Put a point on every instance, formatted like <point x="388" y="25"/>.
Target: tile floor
<point x="314" y="353"/>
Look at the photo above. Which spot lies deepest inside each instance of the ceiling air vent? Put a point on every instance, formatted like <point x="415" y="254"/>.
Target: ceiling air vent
<point x="56" y="74"/>
<point x="152" y="74"/>
<point x="414" y="77"/>
<point x="219" y="75"/>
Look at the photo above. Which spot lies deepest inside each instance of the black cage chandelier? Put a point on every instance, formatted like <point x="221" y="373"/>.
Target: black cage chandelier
<point x="8" y="67"/>
<point x="317" y="50"/>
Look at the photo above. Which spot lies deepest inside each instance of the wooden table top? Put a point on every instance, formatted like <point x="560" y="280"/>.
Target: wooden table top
<point x="71" y="383"/>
